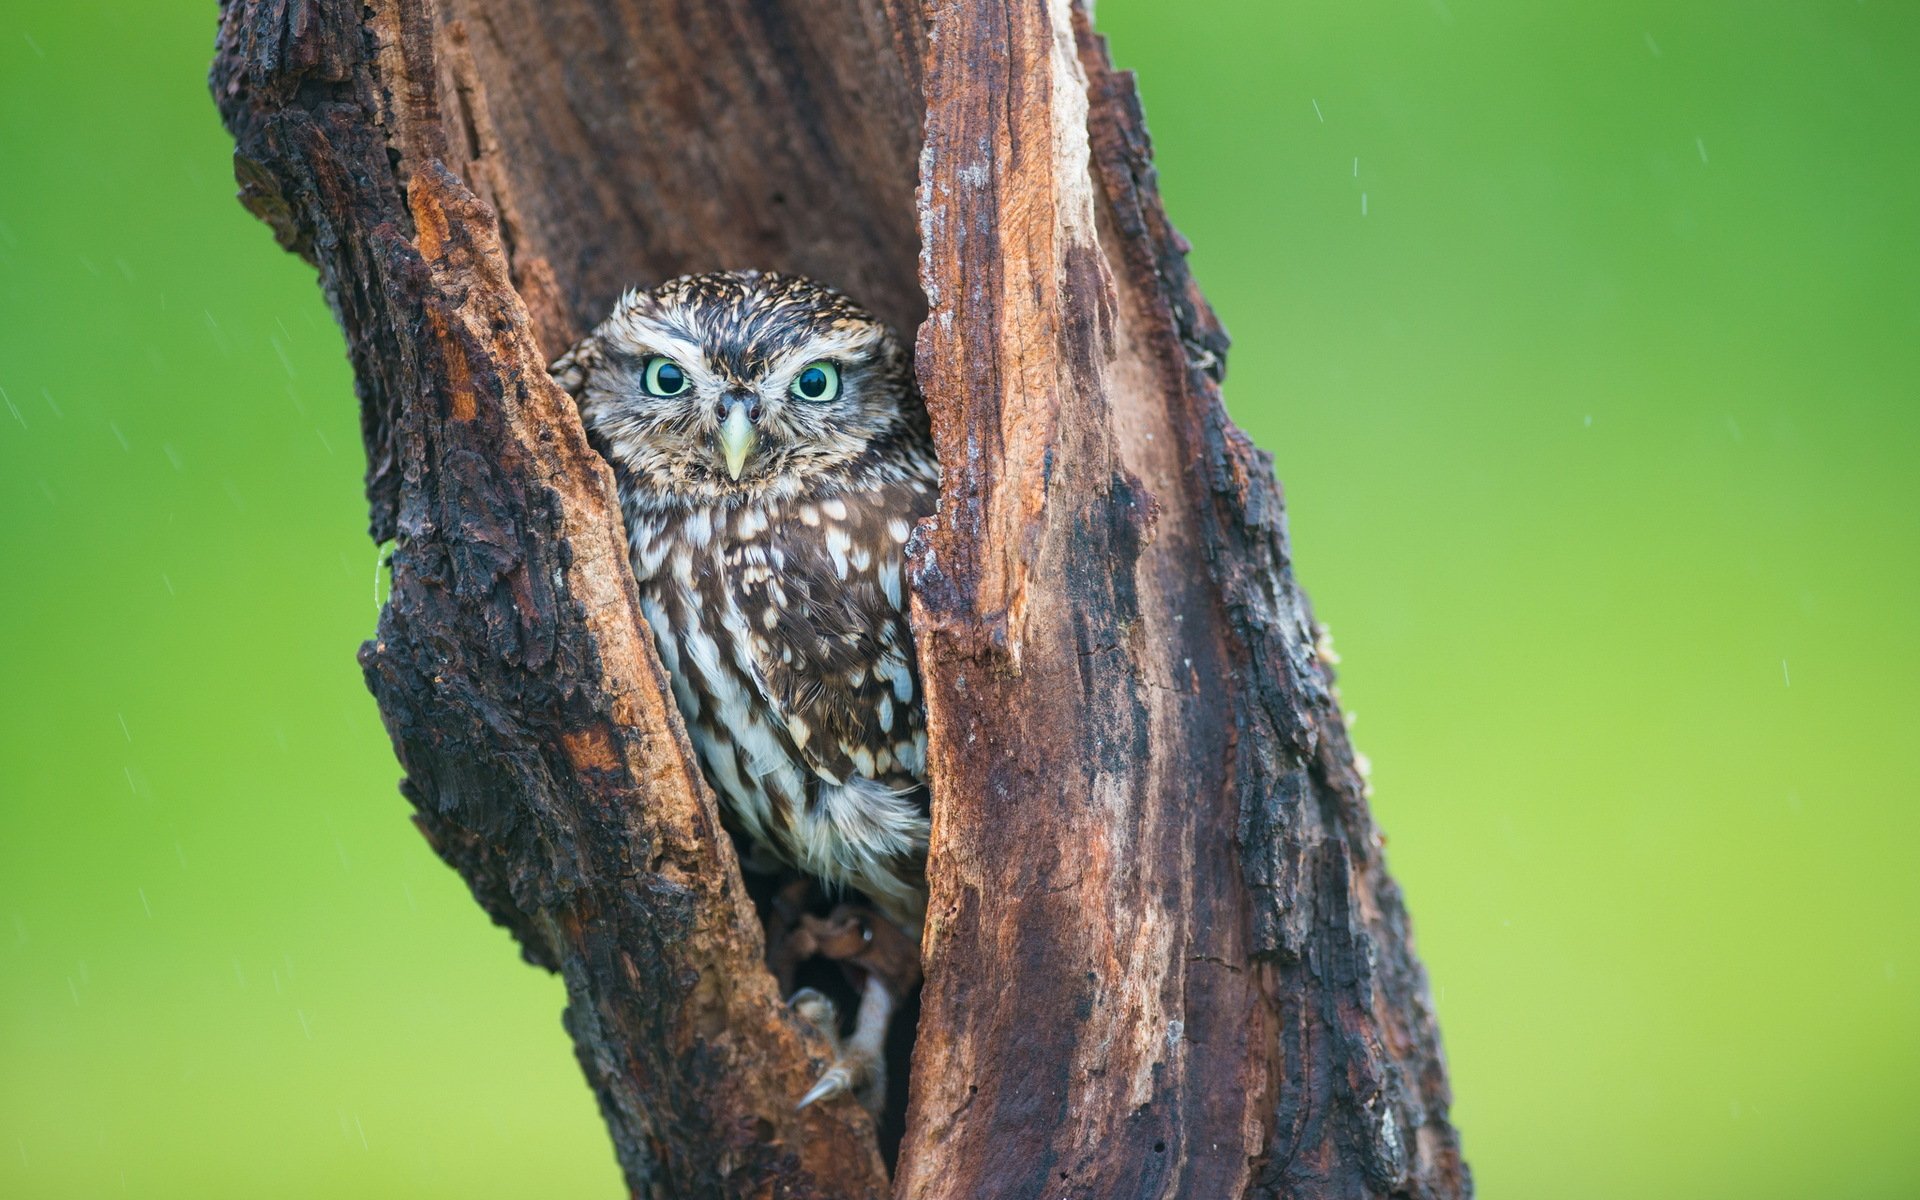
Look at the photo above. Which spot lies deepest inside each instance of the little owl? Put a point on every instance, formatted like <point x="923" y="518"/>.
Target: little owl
<point x="772" y="458"/>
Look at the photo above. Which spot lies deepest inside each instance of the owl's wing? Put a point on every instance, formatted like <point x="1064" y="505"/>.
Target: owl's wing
<point x="821" y="594"/>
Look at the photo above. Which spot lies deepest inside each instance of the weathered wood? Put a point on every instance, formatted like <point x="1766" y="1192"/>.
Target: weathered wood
<point x="1163" y="956"/>
<point x="512" y="666"/>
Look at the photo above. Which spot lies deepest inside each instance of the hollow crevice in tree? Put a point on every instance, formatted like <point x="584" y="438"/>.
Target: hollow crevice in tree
<point x="1163" y="955"/>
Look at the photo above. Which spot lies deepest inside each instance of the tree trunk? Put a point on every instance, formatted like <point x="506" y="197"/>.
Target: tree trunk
<point x="1163" y="957"/>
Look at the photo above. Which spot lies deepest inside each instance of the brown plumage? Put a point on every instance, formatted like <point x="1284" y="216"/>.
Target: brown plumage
<point x="772" y="458"/>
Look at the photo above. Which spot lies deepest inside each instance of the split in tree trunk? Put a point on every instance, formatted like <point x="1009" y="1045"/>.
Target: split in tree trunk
<point x="1163" y="957"/>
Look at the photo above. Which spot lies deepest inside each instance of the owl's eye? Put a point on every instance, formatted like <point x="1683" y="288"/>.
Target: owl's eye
<point x="819" y="382"/>
<point x="665" y="378"/>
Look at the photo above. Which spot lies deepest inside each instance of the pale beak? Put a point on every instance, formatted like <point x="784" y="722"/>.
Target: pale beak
<point x="737" y="437"/>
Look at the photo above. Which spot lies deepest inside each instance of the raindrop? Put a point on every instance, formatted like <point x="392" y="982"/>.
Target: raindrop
<point x="220" y="341"/>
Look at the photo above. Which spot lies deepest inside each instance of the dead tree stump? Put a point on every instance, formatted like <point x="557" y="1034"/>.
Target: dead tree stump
<point x="1163" y="956"/>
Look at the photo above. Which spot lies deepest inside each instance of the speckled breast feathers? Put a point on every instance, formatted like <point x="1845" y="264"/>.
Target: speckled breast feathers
<point x="772" y="460"/>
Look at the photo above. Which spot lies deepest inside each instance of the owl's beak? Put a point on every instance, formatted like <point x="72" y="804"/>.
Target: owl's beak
<point x="737" y="437"/>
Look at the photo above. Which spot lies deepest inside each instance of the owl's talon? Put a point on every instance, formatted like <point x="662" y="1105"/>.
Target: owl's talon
<point x="819" y="1011"/>
<point x="858" y="1066"/>
<point x="838" y="1079"/>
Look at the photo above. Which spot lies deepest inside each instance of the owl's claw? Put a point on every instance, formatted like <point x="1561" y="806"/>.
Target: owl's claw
<point x="838" y="1079"/>
<point x="819" y="1011"/>
<point x="858" y="1066"/>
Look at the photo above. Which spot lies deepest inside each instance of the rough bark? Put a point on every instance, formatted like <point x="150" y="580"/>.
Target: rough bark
<point x="1163" y="956"/>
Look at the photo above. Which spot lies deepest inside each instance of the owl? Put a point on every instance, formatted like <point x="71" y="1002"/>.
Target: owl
<point x="772" y="457"/>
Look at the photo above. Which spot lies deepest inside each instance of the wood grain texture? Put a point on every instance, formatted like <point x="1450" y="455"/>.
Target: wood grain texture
<point x="1163" y="958"/>
<point x="512" y="666"/>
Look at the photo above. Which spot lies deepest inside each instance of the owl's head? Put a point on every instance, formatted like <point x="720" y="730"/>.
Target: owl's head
<point x="738" y="383"/>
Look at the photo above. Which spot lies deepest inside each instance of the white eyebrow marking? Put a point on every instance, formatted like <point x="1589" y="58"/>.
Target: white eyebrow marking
<point x="853" y="342"/>
<point x="633" y="331"/>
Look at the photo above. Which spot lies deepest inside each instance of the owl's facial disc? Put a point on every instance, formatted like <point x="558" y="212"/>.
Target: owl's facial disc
<point x="721" y="386"/>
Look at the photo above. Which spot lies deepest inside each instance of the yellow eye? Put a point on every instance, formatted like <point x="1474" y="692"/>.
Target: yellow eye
<point x="665" y="378"/>
<point x="819" y="382"/>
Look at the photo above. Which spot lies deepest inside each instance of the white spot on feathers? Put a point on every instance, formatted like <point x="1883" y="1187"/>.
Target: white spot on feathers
<point x="896" y="670"/>
<point x="838" y="544"/>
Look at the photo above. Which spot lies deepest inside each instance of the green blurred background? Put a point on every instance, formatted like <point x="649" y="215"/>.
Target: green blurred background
<point x="1585" y="338"/>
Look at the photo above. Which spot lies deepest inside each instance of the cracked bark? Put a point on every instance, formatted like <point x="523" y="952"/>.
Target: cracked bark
<point x="1164" y="958"/>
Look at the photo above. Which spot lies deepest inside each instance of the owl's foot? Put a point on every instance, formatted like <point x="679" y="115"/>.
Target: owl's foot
<point x="859" y="1063"/>
<point x="885" y="963"/>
